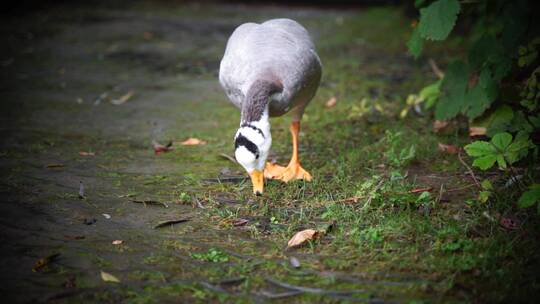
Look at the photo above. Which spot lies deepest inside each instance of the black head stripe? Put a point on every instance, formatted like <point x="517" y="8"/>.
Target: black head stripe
<point x="253" y="127"/>
<point x="241" y="140"/>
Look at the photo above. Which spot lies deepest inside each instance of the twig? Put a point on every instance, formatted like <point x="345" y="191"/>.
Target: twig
<point x="440" y="193"/>
<point x="471" y="173"/>
<point x="280" y="295"/>
<point x="435" y="68"/>
<point x="170" y="222"/>
<point x="315" y="290"/>
<point x="199" y="203"/>
<point x="353" y="199"/>
<point x="228" y="157"/>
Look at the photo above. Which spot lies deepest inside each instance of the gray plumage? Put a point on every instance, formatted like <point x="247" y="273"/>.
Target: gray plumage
<point x="275" y="59"/>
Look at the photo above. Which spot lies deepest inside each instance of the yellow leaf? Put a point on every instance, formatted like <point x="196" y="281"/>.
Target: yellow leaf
<point x="107" y="277"/>
<point x="302" y="237"/>
<point x="331" y="102"/>
<point x="193" y="142"/>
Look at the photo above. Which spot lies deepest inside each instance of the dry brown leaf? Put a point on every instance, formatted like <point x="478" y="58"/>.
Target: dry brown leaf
<point x="477" y="131"/>
<point x="302" y="237"/>
<point x="117" y="242"/>
<point x="192" y="141"/>
<point x="107" y="277"/>
<point x="84" y="153"/>
<point x="122" y="98"/>
<point x="331" y="102"/>
<point x="44" y="261"/>
<point x="450" y="149"/>
<point x="438" y="125"/>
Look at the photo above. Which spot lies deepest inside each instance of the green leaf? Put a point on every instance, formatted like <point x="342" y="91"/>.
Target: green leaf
<point x="486" y="185"/>
<point x="480" y="148"/>
<point x="431" y="93"/>
<point x="415" y="44"/>
<point x="485" y="162"/>
<point x="453" y="88"/>
<point x="481" y="50"/>
<point x="502" y="140"/>
<point x="438" y="19"/>
<point x="530" y="197"/>
<point x="483" y="196"/>
<point x="479" y="98"/>
<point x="501" y="161"/>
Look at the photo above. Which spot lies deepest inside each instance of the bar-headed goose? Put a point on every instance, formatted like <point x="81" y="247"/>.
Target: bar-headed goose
<point x="267" y="70"/>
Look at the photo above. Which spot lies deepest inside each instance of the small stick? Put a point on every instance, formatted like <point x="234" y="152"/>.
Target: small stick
<point x="170" y="223"/>
<point x="435" y="68"/>
<point x="471" y="173"/>
<point x="440" y="193"/>
<point x="228" y="157"/>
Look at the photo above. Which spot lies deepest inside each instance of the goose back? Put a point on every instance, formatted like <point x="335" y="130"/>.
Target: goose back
<point x="278" y="50"/>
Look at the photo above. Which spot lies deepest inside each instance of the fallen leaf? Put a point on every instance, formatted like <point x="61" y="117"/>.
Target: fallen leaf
<point x="106" y="215"/>
<point x="117" y="242"/>
<point x="477" y="131"/>
<point x="450" y="149"/>
<point x="439" y="125"/>
<point x="295" y="263"/>
<point x="107" y="277"/>
<point x="418" y="190"/>
<point x="54" y="165"/>
<point x="122" y="98"/>
<point x="170" y="222"/>
<point x="192" y="141"/>
<point x="302" y="237"/>
<point x="239" y="222"/>
<point x="331" y="102"/>
<point x="159" y="148"/>
<point x="44" y="261"/>
<point x="84" y="153"/>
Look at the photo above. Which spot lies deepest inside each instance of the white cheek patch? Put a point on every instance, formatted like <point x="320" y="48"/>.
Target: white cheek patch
<point x="245" y="158"/>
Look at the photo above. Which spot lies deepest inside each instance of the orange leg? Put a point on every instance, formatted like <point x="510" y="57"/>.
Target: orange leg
<point x="294" y="170"/>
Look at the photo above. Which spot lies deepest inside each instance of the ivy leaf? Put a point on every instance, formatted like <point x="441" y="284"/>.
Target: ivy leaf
<point x="453" y="90"/>
<point x="415" y="44"/>
<point x="438" y="19"/>
<point x="530" y="197"/>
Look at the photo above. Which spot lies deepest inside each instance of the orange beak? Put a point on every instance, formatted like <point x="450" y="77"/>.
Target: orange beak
<point x="257" y="179"/>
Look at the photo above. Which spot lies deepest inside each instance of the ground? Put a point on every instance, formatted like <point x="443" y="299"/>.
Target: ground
<point x="64" y="67"/>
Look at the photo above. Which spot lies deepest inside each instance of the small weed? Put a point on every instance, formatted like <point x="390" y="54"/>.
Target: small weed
<point x="213" y="255"/>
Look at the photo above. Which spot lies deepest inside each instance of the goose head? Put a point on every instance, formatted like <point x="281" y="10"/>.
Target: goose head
<point x="251" y="147"/>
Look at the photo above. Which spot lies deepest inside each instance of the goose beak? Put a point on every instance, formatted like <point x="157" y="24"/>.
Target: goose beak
<point x="257" y="179"/>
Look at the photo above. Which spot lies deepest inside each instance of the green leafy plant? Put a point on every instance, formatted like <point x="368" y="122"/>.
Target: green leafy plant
<point x="501" y="149"/>
<point x="396" y="154"/>
<point x="495" y="85"/>
<point x="213" y="255"/>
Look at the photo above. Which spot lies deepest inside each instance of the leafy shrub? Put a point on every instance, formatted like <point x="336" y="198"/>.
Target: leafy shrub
<point x="495" y="85"/>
